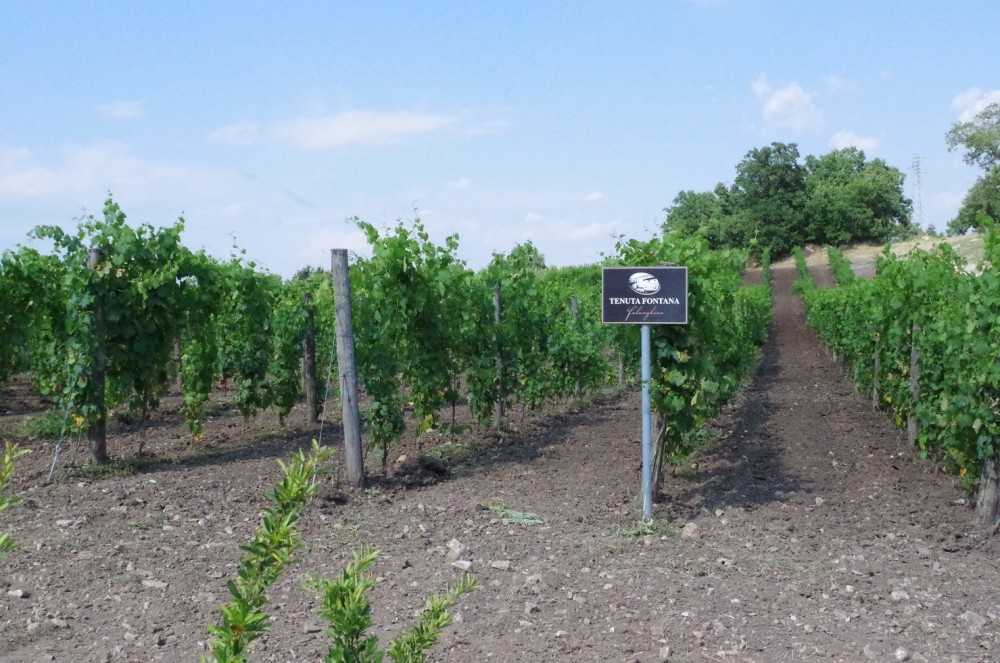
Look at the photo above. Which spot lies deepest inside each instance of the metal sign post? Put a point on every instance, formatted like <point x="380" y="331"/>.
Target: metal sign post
<point x="647" y="426"/>
<point x="645" y="296"/>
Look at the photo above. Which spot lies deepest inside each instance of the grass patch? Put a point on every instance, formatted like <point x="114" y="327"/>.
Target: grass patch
<point x="47" y="425"/>
<point x="215" y="409"/>
<point x="452" y="453"/>
<point x="699" y="568"/>
<point x="144" y="523"/>
<point x="685" y="472"/>
<point x="352" y="522"/>
<point x="125" y="417"/>
<point x="651" y="527"/>
<point x="112" y="470"/>
<point x="452" y="429"/>
<point x="510" y="516"/>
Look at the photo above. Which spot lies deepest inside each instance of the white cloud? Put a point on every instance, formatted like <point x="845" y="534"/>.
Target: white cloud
<point x="838" y="84"/>
<point x="359" y="128"/>
<point x="316" y="247"/>
<point x="24" y="175"/>
<point x="588" y="232"/>
<point x="790" y="107"/>
<point x="846" y="138"/>
<point x="328" y="132"/>
<point x="569" y="233"/>
<point x="459" y="184"/>
<point x="79" y="172"/>
<point x="594" y="197"/>
<point x="13" y="158"/>
<point x="970" y="103"/>
<point x="533" y="217"/>
<point x="242" y="134"/>
<point x="482" y="128"/>
<point x="122" y="110"/>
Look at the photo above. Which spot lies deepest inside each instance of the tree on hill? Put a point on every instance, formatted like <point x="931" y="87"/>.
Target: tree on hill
<point x="768" y="197"/>
<point x="693" y="212"/>
<point x="982" y="199"/>
<point x="981" y="139"/>
<point x="849" y="199"/>
<point x="777" y="203"/>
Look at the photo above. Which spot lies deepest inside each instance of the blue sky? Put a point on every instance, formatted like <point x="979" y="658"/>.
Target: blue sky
<point x="272" y="123"/>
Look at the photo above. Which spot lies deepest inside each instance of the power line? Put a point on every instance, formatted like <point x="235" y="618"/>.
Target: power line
<point x="917" y="199"/>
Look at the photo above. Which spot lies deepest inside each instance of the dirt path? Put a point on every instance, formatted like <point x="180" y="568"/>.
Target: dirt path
<point x="808" y="530"/>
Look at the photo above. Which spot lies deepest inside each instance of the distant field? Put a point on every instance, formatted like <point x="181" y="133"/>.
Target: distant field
<point x="863" y="256"/>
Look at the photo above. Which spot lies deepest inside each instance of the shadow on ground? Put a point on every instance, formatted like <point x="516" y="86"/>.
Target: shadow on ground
<point x="744" y="464"/>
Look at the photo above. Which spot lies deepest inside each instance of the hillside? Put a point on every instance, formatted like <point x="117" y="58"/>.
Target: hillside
<point x="863" y="256"/>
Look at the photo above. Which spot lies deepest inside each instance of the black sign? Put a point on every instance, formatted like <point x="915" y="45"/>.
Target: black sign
<point x="645" y="295"/>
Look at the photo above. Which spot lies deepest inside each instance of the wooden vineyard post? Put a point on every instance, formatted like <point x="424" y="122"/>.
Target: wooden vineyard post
<point x="911" y="417"/>
<point x="499" y="410"/>
<point x="987" y="506"/>
<point x="877" y="369"/>
<point x="660" y="426"/>
<point x="576" y="321"/>
<point x="97" y="433"/>
<point x="347" y="368"/>
<point x="309" y="360"/>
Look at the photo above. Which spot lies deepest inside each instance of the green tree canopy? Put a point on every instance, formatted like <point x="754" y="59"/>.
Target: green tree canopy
<point x="527" y="254"/>
<point x="982" y="199"/>
<point x="851" y="199"/>
<point x="776" y="202"/>
<point x="768" y="197"/>
<point x="980" y="137"/>
<point x="693" y="212"/>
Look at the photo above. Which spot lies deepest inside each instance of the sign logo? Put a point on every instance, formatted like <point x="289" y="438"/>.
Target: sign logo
<point x="645" y="295"/>
<point x="644" y="284"/>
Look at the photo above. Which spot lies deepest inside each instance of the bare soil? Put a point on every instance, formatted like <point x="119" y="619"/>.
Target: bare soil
<point x="807" y="530"/>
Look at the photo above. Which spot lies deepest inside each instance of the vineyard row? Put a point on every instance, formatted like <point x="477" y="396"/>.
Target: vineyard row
<point x="114" y="315"/>
<point x="921" y="338"/>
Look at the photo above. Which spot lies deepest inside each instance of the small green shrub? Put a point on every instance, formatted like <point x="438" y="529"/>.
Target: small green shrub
<point x="651" y="527"/>
<point x="47" y="425"/>
<point x="452" y="453"/>
<point x="344" y="604"/>
<point x="804" y="282"/>
<point x="114" y="469"/>
<point x="347" y="609"/>
<point x="765" y="266"/>
<point x="267" y="555"/>
<point x="510" y="516"/>
<point x="840" y="266"/>
<point x="801" y="268"/>
<point x="10" y="453"/>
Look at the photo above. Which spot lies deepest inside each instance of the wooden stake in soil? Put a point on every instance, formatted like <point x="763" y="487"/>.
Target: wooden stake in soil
<point x="576" y="321"/>
<point x="911" y="417"/>
<point x="987" y="506"/>
<point x="661" y="435"/>
<point x="309" y="360"/>
<point x="499" y="411"/>
<point x="875" y="372"/>
<point x="97" y="432"/>
<point x="347" y="368"/>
